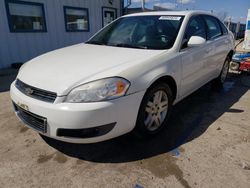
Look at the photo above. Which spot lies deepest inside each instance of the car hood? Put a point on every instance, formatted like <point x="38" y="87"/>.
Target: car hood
<point x="61" y="70"/>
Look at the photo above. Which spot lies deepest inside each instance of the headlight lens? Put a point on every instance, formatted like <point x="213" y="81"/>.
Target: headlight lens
<point x="100" y="90"/>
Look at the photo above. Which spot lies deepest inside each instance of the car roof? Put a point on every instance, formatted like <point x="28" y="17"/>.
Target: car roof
<point x="170" y="13"/>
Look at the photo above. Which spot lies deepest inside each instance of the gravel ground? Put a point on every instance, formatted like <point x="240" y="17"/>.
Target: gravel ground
<point x="206" y="144"/>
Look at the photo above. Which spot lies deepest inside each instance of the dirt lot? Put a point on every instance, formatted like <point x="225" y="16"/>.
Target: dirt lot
<point x="206" y="144"/>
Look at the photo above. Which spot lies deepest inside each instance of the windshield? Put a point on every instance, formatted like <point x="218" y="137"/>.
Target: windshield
<point x="145" y="32"/>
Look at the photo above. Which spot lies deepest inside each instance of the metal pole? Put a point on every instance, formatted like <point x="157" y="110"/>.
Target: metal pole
<point x="237" y="30"/>
<point x="143" y="5"/>
<point x="229" y="23"/>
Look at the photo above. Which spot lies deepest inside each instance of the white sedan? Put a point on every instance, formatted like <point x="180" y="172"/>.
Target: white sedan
<point x="125" y="78"/>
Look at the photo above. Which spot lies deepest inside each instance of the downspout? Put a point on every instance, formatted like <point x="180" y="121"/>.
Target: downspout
<point x="121" y="7"/>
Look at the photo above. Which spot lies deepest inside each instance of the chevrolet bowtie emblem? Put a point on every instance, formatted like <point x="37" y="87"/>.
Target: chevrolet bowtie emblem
<point x="28" y="91"/>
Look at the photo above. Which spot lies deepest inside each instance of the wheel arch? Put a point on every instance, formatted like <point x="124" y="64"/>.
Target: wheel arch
<point x="168" y="80"/>
<point x="230" y="54"/>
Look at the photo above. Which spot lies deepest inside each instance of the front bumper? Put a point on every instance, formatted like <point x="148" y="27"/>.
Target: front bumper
<point x="73" y="116"/>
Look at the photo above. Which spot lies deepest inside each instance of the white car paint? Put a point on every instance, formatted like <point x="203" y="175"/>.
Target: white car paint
<point x="78" y="64"/>
<point x="196" y="41"/>
<point x="62" y="70"/>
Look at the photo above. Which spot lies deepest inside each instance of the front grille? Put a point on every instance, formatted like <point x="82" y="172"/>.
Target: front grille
<point x="36" y="93"/>
<point x="37" y="122"/>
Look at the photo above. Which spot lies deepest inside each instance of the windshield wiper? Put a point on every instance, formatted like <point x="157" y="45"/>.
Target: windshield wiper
<point x="95" y="42"/>
<point x="129" y="46"/>
<point x="118" y="45"/>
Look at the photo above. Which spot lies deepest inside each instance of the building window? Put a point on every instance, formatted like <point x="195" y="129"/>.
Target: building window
<point x="108" y="15"/>
<point x="25" y="16"/>
<point x="76" y="19"/>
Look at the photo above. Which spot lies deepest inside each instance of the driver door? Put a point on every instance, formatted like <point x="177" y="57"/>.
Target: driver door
<point x="193" y="59"/>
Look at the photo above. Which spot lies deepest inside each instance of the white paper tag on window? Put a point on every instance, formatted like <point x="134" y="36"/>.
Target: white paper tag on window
<point x="170" y="18"/>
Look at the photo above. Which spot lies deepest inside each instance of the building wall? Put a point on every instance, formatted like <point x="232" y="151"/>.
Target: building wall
<point x="21" y="47"/>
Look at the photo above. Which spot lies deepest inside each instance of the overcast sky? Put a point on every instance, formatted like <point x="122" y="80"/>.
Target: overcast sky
<point x="237" y="9"/>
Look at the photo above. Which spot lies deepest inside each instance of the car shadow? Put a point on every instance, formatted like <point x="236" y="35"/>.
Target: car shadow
<point x="189" y="120"/>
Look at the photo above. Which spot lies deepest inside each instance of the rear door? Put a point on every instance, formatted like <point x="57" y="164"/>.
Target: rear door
<point x="218" y="46"/>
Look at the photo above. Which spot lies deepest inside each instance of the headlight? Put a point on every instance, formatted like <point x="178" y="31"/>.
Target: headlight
<point x="100" y="90"/>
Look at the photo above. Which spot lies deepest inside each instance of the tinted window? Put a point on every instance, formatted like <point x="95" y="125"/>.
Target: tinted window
<point x="149" y="32"/>
<point x="196" y="27"/>
<point x="223" y="27"/>
<point x="213" y="27"/>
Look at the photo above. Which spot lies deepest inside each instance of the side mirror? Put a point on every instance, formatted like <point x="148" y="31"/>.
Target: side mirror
<point x="196" y="41"/>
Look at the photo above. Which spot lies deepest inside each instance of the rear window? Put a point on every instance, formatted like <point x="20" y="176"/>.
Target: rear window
<point x="214" y="28"/>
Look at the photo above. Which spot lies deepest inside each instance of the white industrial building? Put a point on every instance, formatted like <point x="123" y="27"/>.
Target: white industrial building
<point x="29" y="28"/>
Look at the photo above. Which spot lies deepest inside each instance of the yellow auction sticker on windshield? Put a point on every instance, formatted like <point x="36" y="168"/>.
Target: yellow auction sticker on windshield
<point x="170" y="18"/>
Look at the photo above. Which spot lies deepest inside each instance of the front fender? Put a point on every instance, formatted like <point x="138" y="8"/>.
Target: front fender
<point x="144" y="75"/>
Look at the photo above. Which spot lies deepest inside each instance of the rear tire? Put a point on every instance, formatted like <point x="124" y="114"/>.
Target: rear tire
<point x="219" y="81"/>
<point x="154" y="110"/>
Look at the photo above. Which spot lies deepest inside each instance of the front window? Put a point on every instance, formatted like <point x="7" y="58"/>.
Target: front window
<point x="196" y="27"/>
<point x="146" y="32"/>
<point x="25" y="16"/>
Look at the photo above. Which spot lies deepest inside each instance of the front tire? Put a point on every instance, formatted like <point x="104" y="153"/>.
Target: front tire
<point x="154" y="110"/>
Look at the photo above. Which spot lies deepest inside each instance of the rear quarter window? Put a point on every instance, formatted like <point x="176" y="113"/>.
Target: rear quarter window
<point x="223" y="28"/>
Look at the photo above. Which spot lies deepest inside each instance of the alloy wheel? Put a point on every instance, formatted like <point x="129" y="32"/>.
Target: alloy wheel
<point x="156" y="110"/>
